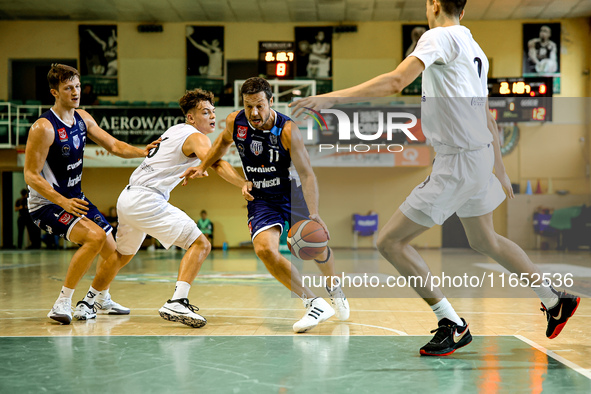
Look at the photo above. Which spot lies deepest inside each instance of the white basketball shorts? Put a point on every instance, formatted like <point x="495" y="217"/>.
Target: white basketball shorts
<point x="144" y="211"/>
<point x="461" y="183"/>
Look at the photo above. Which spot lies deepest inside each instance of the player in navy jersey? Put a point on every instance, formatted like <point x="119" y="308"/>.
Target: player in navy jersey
<point x="458" y="123"/>
<point x="284" y="188"/>
<point x="53" y="170"/>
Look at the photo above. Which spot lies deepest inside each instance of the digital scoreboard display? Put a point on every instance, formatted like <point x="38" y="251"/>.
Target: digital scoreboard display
<point x="277" y="59"/>
<point x="514" y="100"/>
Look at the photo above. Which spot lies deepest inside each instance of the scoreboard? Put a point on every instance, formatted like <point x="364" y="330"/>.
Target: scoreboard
<point x="277" y="59"/>
<point x="514" y="100"/>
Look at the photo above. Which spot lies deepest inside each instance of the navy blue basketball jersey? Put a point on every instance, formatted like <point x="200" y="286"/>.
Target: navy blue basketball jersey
<point x="63" y="166"/>
<point x="265" y="161"/>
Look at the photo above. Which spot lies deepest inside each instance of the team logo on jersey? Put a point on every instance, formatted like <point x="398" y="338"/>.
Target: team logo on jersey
<point x="63" y="134"/>
<point x="256" y="147"/>
<point x="66" y="150"/>
<point x="273" y="139"/>
<point x="76" y="141"/>
<point x="66" y="218"/>
<point x="242" y="131"/>
<point x="240" y="148"/>
<point x="81" y="125"/>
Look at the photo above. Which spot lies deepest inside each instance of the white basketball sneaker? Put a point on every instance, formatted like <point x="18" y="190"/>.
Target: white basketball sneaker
<point x="84" y="311"/>
<point x="109" y="307"/>
<point x="317" y="311"/>
<point x="339" y="302"/>
<point x="61" y="311"/>
<point x="180" y="310"/>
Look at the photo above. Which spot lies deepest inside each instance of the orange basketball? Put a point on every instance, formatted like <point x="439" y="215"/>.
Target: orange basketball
<point x="306" y="239"/>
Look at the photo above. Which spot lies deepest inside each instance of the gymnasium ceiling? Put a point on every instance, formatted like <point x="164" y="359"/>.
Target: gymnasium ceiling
<point x="278" y="10"/>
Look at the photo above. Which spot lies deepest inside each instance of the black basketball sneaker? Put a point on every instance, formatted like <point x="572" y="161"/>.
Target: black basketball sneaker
<point x="559" y="314"/>
<point x="448" y="337"/>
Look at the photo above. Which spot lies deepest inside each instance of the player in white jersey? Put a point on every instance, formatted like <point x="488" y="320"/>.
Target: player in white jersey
<point x="457" y="122"/>
<point x="143" y="205"/>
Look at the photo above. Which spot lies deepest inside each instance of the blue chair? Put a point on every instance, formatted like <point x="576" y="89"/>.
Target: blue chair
<point x="365" y="226"/>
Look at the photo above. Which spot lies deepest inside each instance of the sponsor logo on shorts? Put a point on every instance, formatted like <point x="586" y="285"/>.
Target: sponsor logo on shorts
<point x="66" y="218"/>
<point x="66" y="150"/>
<point x="63" y="134"/>
<point x="256" y="147"/>
<point x="76" y="141"/>
<point x="260" y="169"/>
<point x="97" y="218"/>
<point x="250" y="227"/>
<point x="242" y="132"/>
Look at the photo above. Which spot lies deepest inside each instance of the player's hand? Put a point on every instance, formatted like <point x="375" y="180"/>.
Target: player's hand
<point x="314" y="103"/>
<point x="76" y="206"/>
<point x="246" y="191"/>
<point x="192" y="173"/>
<point x="505" y="182"/>
<point x="315" y="217"/>
<point x="152" y="145"/>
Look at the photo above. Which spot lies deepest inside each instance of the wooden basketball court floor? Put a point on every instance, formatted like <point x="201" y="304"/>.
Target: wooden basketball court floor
<point x="248" y="344"/>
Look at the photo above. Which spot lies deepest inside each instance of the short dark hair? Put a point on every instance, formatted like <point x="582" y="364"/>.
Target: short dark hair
<point x="24" y="192"/>
<point x="452" y="7"/>
<point x="60" y="73"/>
<point x="204" y="212"/>
<point x="256" y="85"/>
<point x="192" y="98"/>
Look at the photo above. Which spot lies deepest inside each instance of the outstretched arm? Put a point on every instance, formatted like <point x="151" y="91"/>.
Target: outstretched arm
<point x="217" y="151"/>
<point x="198" y="46"/>
<point x="380" y="86"/>
<point x="97" y="39"/>
<point x="110" y="143"/>
<point x="199" y="145"/>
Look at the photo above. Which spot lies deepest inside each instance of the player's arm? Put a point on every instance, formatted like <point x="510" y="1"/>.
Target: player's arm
<point x="532" y="53"/>
<point x="499" y="166"/>
<point x="41" y="137"/>
<point x="217" y="151"/>
<point x="381" y="86"/>
<point x="199" y="145"/>
<point x="110" y="143"/>
<point x="291" y="138"/>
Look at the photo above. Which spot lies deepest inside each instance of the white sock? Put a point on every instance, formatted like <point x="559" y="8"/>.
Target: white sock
<point x="181" y="290"/>
<point x="103" y="295"/>
<point x="547" y="294"/>
<point x="443" y="309"/>
<point x="66" y="292"/>
<point x="91" y="296"/>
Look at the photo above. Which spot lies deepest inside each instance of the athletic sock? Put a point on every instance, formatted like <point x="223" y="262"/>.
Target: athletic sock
<point x="547" y="294"/>
<point x="66" y="292"/>
<point x="443" y="309"/>
<point x="102" y="295"/>
<point x="91" y="296"/>
<point x="181" y="290"/>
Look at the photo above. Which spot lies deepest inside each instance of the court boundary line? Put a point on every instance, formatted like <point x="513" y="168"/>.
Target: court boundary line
<point x="585" y="372"/>
<point x="229" y="336"/>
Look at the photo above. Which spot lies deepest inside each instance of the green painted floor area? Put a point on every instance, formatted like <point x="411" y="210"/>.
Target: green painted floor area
<point x="301" y="364"/>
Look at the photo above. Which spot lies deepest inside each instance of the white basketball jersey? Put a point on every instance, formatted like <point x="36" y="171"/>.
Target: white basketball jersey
<point x="166" y="163"/>
<point x="453" y="112"/>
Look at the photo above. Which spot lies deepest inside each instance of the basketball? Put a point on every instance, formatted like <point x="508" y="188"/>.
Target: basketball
<point x="306" y="239"/>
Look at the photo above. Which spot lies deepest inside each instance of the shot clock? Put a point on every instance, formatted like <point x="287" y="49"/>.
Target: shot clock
<point x="277" y="59"/>
<point x="521" y="99"/>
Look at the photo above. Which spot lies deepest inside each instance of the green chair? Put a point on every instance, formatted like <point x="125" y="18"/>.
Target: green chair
<point x="157" y="104"/>
<point x="122" y="103"/>
<point x="139" y="104"/>
<point x="173" y="104"/>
